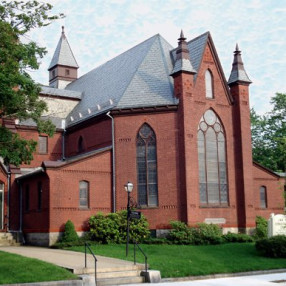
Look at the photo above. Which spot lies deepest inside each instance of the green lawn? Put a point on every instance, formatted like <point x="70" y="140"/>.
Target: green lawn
<point x="18" y="269"/>
<point x="188" y="260"/>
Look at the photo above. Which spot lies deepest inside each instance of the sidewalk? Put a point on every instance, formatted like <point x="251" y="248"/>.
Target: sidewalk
<point x="75" y="261"/>
<point x="253" y="280"/>
<point x="68" y="259"/>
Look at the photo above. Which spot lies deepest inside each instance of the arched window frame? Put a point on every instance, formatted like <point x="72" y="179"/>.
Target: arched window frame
<point x="212" y="160"/>
<point x="263" y="197"/>
<point x="84" y="194"/>
<point x="209" y="84"/>
<point x="147" y="180"/>
<point x="80" y="145"/>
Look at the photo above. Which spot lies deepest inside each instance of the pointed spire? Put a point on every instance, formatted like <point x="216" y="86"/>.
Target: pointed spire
<point x="63" y="31"/>
<point x="238" y="73"/>
<point x="63" y="54"/>
<point x="183" y="63"/>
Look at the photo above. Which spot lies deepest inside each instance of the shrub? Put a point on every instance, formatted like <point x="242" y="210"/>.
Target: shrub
<point x="180" y="233"/>
<point x="207" y="234"/>
<point x="111" y="228"/>
<point x="69" y="234"/>
<point x="261" y="227"/>
<point x="202" y="234"/>
<point x="237" y="237"/>
<point x="274" y="246"/>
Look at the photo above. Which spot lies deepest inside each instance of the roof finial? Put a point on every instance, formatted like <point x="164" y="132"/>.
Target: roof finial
<point x="182" y="37"/>
<point x="237" y="48"/>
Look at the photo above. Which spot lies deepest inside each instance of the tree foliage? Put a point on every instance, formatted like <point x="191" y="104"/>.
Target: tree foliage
<point x="19" y="94"/>
<point x="269" y="135"/>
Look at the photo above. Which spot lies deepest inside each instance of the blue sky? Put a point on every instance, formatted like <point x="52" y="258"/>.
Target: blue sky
<point x="98" y="30"/>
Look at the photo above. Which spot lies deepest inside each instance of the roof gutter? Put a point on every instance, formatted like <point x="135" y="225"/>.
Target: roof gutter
<point x="113" y="165"/>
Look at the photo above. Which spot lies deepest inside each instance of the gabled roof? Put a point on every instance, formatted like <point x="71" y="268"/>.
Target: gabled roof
<point x="137" y="78"/>
<point x="63" y="54"/>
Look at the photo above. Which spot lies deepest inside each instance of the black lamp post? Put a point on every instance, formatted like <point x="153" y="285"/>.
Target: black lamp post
<point x="128" y="188"/>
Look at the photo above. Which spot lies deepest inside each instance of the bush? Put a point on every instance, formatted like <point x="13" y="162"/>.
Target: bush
<point x="111" y="228"/>
<point x="202" y="234"/>
<point x="69" y="234"/>
<point x="180" y="233"/>
<point x="274" y="246"/>
<point x="207" y="234"/>
<point x="261" y="227"/>
<point x="237" y="237"/>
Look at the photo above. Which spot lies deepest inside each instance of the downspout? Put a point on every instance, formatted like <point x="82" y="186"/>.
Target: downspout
<point x="8" y="198"/>
<point x="63" y="139"/>
<point x="113" y="165"/>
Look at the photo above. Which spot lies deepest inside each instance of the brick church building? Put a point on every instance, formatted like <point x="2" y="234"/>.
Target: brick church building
<point x="163" y="118"/>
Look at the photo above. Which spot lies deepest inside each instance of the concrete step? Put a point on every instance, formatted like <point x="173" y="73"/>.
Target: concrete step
<point x="120" y="281"/>
<point x="6" y="239"/>
<point x="117" y="274"/>
<point x="90" y="270"/>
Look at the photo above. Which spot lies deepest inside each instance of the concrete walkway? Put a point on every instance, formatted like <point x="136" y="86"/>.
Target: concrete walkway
<point x="75" y="260"/>
<point x="68" y="259"/>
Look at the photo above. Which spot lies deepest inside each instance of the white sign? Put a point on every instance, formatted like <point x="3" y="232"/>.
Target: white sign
<point x="277" y="225"/>
<point x="215" y="220"/>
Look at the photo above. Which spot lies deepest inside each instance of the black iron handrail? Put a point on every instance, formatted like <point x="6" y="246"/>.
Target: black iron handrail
<point x="145" y="256"/>
<point x="85" y="259"/>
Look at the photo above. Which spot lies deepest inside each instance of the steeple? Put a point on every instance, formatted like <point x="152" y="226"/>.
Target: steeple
<point x="63" y="67"/>
<point x="182" y="63"/>
<point x="238" y="73"/>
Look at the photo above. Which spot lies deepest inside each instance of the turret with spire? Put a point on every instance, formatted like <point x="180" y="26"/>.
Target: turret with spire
<point x="239" y="88"/>
<point x="63" y="67"/>
<point x="182" y="63"/>
<point x="238" y="73"/>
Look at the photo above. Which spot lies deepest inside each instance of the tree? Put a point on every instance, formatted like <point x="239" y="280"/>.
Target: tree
<point x="19" y="94"/>
<point x="269" y="135"/>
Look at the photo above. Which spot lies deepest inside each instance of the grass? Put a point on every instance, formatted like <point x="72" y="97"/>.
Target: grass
<point x="189" y="260"/>
<point x="18" y="269"/>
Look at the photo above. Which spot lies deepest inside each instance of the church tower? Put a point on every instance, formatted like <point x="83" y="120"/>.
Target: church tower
<point x="63" y="67"/>
<point x="239" y="87"/>
<point x="183" y="75"/>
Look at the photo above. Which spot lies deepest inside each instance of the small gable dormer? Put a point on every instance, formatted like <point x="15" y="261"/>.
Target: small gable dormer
<point x="63" y="67"/>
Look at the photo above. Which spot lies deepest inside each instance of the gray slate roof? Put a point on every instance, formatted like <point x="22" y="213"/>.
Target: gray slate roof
<point x="140" y="77"/>
<point x="60" y="92"/>
<point x="63" y="54"/>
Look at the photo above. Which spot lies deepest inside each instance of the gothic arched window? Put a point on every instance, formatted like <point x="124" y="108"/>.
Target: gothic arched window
<point x="83" y="194"/>
<point x="80" y="145"/>
<point x="209" y="84"/>
<point x="147" y="167"/>
<point x="263" y="197"/>
<point x="212" y="160"/>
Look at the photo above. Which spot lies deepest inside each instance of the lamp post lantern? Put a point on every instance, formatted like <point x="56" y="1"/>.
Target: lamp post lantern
<point x="128" y="188"/>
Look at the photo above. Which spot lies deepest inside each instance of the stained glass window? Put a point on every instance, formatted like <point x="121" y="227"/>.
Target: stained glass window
<point x="212" y="160"/>
<point x="147" y="167"/>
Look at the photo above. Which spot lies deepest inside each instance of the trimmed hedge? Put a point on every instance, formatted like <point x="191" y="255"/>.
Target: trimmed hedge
<point x="274" y="246"/>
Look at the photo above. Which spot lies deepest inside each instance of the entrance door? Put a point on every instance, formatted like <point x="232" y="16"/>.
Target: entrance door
<point x="1" y="206"/>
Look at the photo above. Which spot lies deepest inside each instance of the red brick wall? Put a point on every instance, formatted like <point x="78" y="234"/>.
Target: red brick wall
<point x="274" y="189"/>
<point x="64" y="191"/>
<point x="165" y="128"/>
<point x="54" y="147"/>
<point x="95" y="135"/>
<point x="35" y="219"/>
